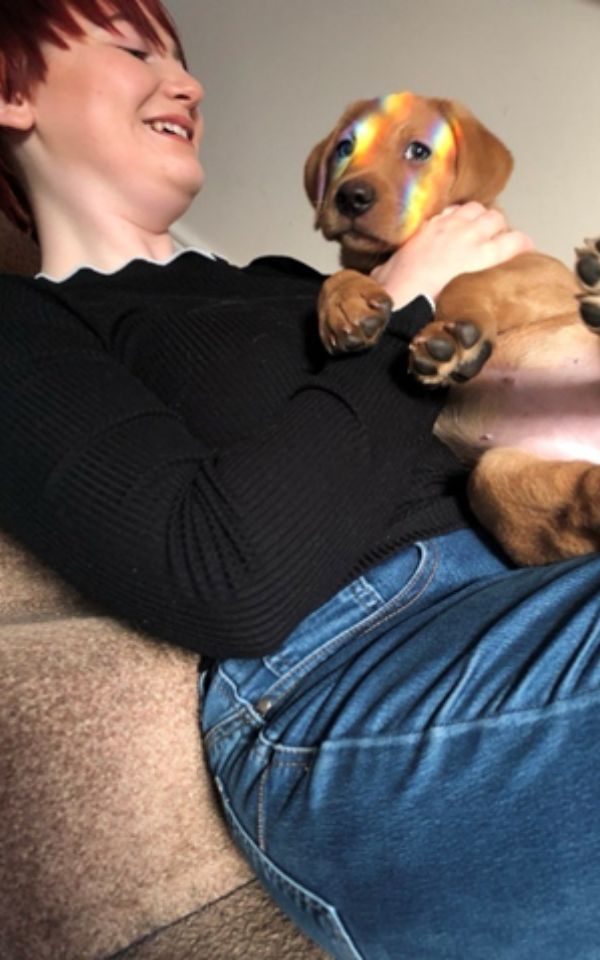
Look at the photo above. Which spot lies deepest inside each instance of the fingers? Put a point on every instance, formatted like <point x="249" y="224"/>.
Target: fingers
<point x="487" y="230"/>
<point x="489" y="219"/>
<point x="462" y="211"/>
<point x="506" y="245"/>
<point x="463" y="238"/>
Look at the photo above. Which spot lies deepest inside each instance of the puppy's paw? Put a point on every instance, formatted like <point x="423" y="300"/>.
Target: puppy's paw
<point x="587" y="270"/>
<point x="353" y="312"/>
<point x="448" y="352"/>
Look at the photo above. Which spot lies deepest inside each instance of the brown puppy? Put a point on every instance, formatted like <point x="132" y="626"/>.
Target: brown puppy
<point x="528" y="419"/>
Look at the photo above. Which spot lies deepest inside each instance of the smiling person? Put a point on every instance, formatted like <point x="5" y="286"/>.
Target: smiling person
<point x="403" y="728"/>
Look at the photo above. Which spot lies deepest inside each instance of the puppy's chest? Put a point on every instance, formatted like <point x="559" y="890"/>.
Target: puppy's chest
<point x="547" y="403"/>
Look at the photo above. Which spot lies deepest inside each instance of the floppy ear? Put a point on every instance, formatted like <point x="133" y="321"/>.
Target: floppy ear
<point x="315" y="168"/>
<point x="314" y="171"/>
<point x="483" y="162"/>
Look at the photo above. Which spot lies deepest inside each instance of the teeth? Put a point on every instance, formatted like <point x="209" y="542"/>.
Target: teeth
<point x="161" y="126"/>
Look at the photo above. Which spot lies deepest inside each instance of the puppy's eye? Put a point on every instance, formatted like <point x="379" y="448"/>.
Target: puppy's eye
<point x="417" y="151"/>
<point x="344" y="149"/>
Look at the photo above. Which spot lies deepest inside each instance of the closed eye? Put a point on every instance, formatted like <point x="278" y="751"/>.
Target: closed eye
<point x="140" y="54"/>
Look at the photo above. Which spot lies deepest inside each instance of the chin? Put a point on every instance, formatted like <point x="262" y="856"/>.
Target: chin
<point x="362" y="243"/>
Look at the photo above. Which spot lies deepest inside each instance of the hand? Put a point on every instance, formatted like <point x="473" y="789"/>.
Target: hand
<point x="460" y="239"/>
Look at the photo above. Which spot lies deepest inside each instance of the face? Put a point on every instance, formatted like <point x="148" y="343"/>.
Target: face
<point x="387" y="167"/>
<point x="119" y="120"/>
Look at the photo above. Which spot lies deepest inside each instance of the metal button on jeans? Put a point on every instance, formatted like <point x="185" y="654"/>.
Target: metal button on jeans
<point x="263" y="706"/>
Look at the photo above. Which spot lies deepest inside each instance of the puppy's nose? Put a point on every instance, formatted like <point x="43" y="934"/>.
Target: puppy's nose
<point x="355" y="197"/>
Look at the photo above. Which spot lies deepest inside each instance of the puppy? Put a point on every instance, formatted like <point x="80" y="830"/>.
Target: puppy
<point x="523" y="370"/>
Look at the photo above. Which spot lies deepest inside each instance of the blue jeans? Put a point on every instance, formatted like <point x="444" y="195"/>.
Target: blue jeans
<point x="415" y="773"/>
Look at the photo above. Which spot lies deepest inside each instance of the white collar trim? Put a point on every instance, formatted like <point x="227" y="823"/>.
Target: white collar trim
<point x="108" y="273"/>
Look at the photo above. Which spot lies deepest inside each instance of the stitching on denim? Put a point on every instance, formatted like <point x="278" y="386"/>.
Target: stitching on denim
<point x="283" y="748"/>
<point x="303" y="897"/>
<point x="294" y="764"/>
<point x="261" y="811"/>
<point x="241" y="707"/>
<point x="366" y="594"/>
<point x="368" y="625"/>
<point x="368" y="598"/>
<point x="223" y="728"/>
<point x="226" y="686"/>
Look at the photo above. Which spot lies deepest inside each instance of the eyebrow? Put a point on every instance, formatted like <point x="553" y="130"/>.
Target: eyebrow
<point x="175" y="51"/>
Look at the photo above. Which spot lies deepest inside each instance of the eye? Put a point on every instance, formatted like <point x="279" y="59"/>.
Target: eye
<point x="139" y="54"/>
<point x="416" y="150"/>
<point x="344" y="149"/>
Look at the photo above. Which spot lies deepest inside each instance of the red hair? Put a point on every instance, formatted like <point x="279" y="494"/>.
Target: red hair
<point x="24" y="26"/>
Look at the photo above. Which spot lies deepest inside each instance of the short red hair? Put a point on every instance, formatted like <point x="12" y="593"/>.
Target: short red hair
<point x="24" y="26"/>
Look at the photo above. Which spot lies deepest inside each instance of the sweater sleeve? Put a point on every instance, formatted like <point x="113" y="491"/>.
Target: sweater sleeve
<point x="222" y="552"/>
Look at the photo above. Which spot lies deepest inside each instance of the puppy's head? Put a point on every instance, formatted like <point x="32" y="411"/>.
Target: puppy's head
<point x="389" y="164"/>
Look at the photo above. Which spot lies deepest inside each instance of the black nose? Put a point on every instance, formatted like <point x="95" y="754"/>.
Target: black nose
<point x="355" y="197"/>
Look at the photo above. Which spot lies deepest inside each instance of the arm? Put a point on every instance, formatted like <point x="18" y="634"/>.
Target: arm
<point x="222" y="552"/>
<point x="461" y="239"/>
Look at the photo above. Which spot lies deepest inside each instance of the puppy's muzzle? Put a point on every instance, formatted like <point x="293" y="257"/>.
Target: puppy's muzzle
<point x="355" y="197"/>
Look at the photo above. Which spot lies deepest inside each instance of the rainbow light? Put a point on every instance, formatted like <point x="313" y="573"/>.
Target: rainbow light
<point x="369" y="131"/>
<point x="426" y="181"/>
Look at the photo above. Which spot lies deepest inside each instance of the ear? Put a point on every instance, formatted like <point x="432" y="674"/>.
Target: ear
<point x="483" y="162"/>
<point x="17" y="113"/>
<point x="315" y="168"/>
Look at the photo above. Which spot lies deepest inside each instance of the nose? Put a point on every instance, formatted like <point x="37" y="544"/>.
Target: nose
<point x="355" y="197"/>
<point x="181" y="85"/>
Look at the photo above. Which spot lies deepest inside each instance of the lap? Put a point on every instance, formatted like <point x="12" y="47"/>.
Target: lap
<point x="442" y="749"/>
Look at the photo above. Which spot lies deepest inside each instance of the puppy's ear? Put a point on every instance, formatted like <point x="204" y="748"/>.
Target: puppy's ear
<point x="317" y="164"/>
<point x="315" y="170"/>
<point x="483" y="162"/>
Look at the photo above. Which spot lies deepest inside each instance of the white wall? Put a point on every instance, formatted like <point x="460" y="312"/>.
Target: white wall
<point x="278" y="73"/>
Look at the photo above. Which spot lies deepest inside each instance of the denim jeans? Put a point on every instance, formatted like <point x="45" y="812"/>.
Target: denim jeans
<point x="415" y="773"/>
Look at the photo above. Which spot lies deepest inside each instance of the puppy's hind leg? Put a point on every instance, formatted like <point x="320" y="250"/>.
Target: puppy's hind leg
<point x="538" y="510"/>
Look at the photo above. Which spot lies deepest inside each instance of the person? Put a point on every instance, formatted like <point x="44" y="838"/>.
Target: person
<point x="402" y="727"/>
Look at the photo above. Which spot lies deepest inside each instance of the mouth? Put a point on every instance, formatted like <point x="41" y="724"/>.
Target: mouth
<point x="360" y="239"/>
<point x="175" y="128"/>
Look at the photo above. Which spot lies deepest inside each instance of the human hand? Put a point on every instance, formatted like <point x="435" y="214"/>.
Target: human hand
<point x="460" y="239"/>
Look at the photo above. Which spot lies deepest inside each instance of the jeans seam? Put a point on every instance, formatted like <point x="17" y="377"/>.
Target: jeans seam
<point x="336" y="928"/>
<point x="261" y="811"/>
<point x="223" y="728"/>
<point x="285" y="749"/>
<point x="368" y="624"/>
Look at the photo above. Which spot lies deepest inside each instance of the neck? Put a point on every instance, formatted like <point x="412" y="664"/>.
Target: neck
<point x="102" y="235"/>
<point x="64" y="247"/>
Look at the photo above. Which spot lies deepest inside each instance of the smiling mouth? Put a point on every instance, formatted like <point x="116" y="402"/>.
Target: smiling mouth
<point x="171" y="130"/>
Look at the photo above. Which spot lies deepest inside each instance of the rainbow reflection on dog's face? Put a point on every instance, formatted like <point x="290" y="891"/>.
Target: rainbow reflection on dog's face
<point x="386" y="171"/>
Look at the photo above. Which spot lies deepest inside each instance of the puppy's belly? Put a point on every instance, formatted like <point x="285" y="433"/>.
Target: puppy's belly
<point x="550" y="410"/>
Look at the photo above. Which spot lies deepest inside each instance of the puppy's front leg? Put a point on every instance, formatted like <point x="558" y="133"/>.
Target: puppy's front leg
<point x="454" y="347"/>
<point x="475" y="307"/>
<point x="353" y="311"/>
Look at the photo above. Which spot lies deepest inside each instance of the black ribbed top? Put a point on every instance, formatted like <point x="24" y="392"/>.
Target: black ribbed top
<point x="176" y="443"/>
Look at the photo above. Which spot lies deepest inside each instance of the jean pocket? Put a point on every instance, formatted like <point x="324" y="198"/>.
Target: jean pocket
<point x="311" y="913"/>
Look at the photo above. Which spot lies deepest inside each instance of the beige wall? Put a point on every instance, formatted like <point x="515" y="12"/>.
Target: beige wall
<point x="278" y="72"/>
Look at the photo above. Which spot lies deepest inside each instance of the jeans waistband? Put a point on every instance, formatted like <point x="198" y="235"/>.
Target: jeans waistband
<point x="391" y="589"/>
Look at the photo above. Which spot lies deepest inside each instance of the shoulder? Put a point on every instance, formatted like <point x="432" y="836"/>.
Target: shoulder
<point x="22" y="296"/>
<point x="36" y="321"/>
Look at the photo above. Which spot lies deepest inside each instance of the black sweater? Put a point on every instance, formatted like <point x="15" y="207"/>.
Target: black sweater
<point x="176" y="443"/>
